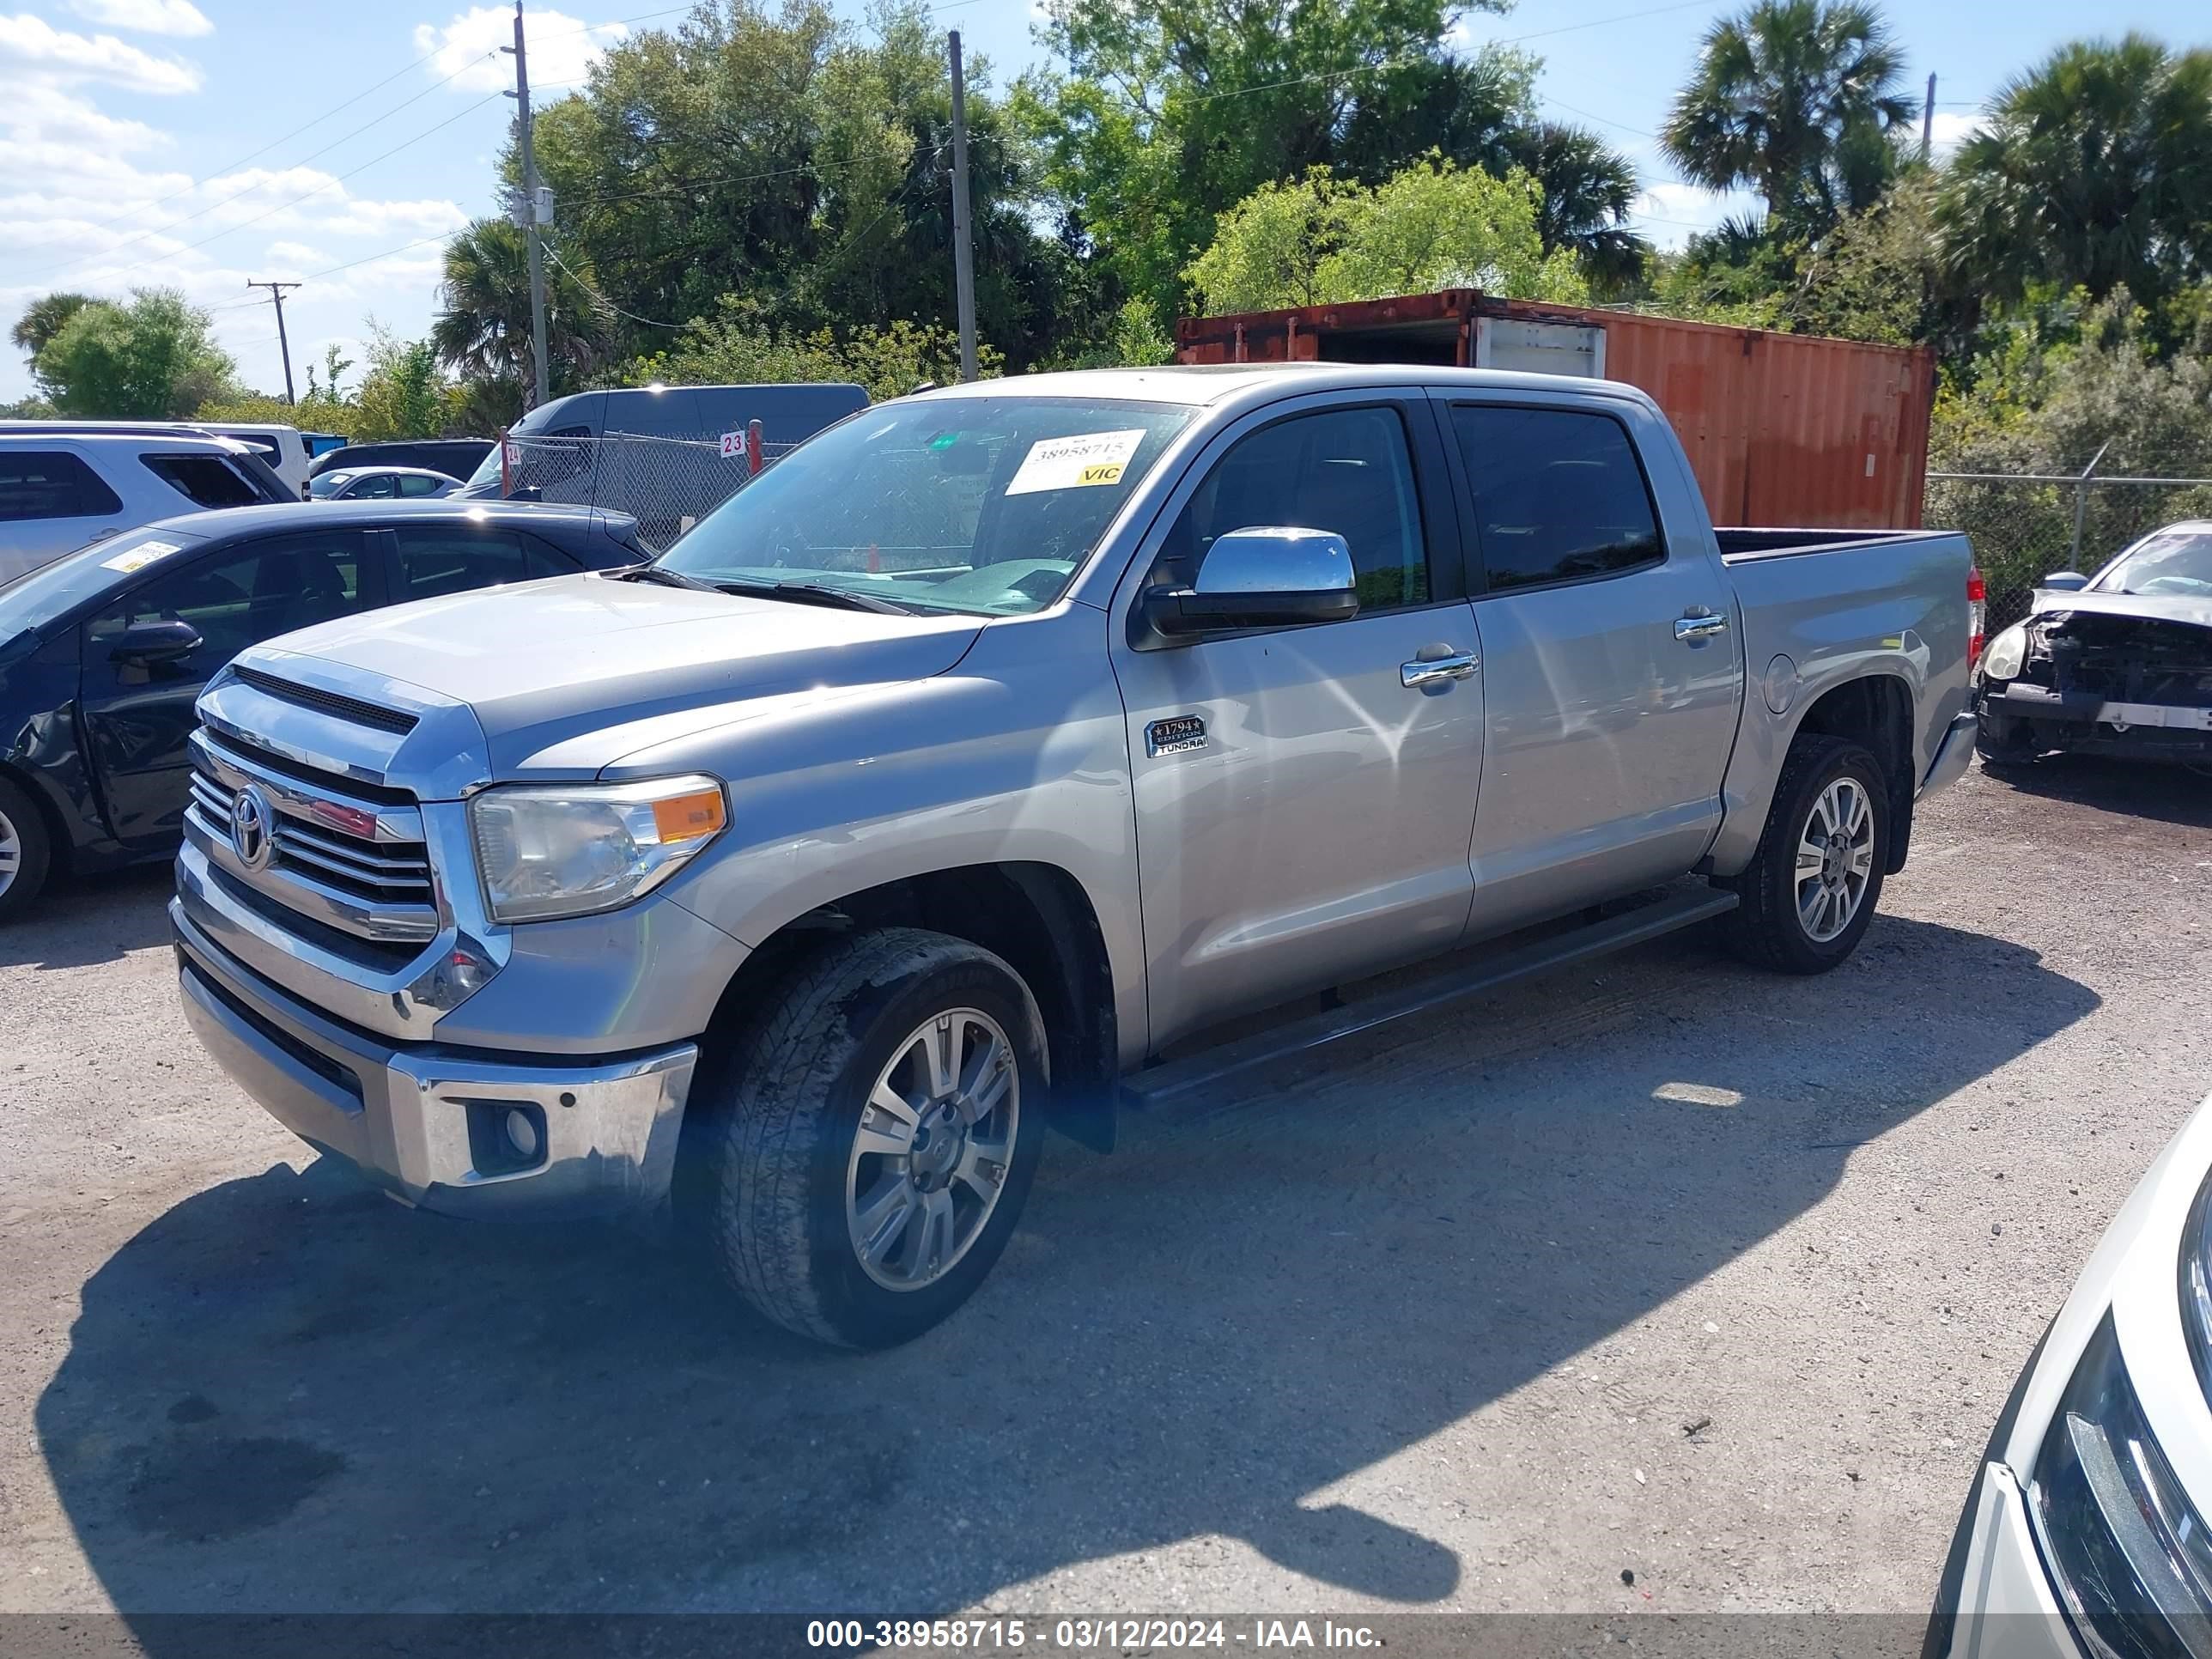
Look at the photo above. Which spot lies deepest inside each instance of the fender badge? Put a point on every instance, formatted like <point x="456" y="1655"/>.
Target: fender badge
<point x="1178" y="736"/>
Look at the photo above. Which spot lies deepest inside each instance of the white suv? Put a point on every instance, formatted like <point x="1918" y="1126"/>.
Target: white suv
<point x="61" y="490"/>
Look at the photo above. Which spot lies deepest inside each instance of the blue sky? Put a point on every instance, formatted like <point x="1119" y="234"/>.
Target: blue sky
<point x="204" y="143"/>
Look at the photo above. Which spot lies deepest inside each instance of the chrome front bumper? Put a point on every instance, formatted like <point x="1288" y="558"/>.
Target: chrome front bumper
<point x="431" y="1127"/>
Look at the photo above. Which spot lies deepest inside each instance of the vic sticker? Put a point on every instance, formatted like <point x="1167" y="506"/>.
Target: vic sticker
<point x="138" y="557"/>
<point x="1090" y="458"/>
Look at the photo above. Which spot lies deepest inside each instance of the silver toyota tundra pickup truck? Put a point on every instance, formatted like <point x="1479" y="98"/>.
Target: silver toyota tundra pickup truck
<point x="956" y="779"/>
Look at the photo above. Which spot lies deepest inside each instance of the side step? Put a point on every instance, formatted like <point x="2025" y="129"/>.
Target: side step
<point x="1173" y="1083"/>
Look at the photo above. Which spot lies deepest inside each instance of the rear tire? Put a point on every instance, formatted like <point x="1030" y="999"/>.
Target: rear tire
<point x="1810" y="891"/>
<point x="27" y="851"/>
<point x="855" y="1198"/>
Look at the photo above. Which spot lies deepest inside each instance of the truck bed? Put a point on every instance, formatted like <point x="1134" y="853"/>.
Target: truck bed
<point x="1742" y="542"/>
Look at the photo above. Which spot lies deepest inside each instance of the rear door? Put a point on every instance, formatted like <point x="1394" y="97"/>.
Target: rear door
<point x="50" y="502"/>
<point x="1611" y="666"/>
<point x="432" y="561"/>
<point x="137" y="715"/>
<point x="1303" y="813"/>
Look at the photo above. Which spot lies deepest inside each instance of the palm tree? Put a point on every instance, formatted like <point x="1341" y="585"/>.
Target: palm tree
<point x="1795" y="98"/>
<point x="1589" y="189"/>
<point x="483" y="328"/>
<point x="2094" y="169"/>
<point x="43" y="318"/>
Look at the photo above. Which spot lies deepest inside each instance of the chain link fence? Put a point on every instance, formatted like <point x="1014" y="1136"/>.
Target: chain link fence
<point x="667" y="484"/>
<point x="2025" y="525"/>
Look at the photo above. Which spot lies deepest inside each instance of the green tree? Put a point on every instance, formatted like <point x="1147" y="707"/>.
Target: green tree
<point x="741" y="345"/>
<point x="1174" y="112"/>
<point x="1797" y="100"/>
<point x="152" y="358"/>
<point x="1429" y="226"/>
<point x="482" y="326"/>
<point x="43" y="318"/>
<point x="2091" y="170"/>
<point x="1875" y="276"/>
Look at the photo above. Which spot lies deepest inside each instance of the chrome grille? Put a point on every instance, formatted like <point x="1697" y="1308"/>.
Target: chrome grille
<point x="340" y="858"/>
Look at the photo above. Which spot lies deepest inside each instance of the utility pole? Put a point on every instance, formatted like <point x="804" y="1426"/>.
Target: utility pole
<point x="277" y="293"/>
<point x="1928" y="122"/>
<point x="536" y="207"/>
<point x="964" y="258"/>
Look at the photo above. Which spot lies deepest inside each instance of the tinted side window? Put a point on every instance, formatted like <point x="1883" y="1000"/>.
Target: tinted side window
<point x="374" y="488"/>
<point x="51" y="484"/>
<point x="543" y="559"/>
<point x="1346" y="471"/>
<point x="1558" y="494"/>
<point x="438" y="561"/>
<point x="206" y="479"/>
<point x="241" y="597"/>
<point x="411" y="485"/>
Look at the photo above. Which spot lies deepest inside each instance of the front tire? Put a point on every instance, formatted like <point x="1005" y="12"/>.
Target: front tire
<point x="873" y="1148"/>
<point x="27" y="851"/>
<point x="1810" y="892"/>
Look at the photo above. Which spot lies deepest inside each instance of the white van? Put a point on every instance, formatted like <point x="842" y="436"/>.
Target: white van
<point x="60" y="490"/>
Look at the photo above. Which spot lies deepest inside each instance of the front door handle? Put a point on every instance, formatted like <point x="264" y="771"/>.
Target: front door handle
<point x="1435" y="664"/>
<point x="1693" y="629"/>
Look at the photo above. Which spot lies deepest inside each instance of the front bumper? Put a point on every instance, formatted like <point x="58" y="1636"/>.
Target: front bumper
<point x="2006" y="1609"/>
<point x="431" y="1125"/>
<point x="2090" y="725"/>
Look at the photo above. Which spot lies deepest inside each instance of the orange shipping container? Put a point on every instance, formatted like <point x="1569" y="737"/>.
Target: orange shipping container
<point x="1786" y="430"/>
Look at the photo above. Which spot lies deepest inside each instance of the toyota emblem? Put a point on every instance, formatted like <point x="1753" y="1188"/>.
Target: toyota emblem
<point x="252" y="828"/>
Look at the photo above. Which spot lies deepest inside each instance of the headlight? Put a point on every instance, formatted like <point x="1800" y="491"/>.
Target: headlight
<point x="2003" y="659"/>
<point x="2128" y="1554"/>
<point x="568" y="849"/>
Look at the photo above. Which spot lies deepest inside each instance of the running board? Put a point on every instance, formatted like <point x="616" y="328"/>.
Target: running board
<point x="1174" y="1082"/>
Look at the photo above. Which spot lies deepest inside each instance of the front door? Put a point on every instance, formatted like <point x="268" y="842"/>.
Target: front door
<point x="1610" y="662"/>
<point x="1302" y="814"/>
<point x="137" y="715"/>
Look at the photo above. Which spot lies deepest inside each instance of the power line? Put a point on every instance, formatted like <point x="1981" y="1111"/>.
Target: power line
<point x="588" y="288"/>
<point x="186" y="219"/>
<point x="339" y="178"/>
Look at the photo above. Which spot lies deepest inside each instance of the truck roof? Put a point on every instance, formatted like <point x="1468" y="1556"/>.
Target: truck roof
<point x="1213" y="385"/>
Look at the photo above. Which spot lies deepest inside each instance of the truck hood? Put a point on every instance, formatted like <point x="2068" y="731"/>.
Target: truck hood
<point x="548" y="661"/>
<point x="2153" y="607"/>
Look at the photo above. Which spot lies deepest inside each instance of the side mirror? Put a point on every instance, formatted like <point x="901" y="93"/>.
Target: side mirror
<point x="2064" y="581"/>
<point x="1264" y="576"/>
<point x="146" y="643"/>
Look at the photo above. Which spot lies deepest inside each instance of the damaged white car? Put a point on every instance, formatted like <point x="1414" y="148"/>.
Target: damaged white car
<point x="2119" y="663"/>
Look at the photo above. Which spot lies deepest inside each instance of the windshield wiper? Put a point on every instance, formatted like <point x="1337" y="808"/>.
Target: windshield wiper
<point x="661" y="575"/>
<point x="817" y="593"/>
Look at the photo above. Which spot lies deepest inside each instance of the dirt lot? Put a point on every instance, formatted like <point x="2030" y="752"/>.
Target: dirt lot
<point x="1428" y="1325"/>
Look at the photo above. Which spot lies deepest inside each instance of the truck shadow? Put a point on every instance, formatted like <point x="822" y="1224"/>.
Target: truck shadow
<point x="286" y="1393"/>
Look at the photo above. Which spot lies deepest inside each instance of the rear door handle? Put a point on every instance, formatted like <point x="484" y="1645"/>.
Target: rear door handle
<point x="1693" y="629"/>
<point x="1437" y="663"/>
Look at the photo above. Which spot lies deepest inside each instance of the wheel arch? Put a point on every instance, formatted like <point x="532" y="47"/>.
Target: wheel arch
<point x="1036" y="916"/>
<point x="1875" y="709"/>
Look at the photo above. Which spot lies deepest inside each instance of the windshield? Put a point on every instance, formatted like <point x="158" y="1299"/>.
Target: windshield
<point x="52" y="590"/>
<point x="329" y="484"/>
<point x="2177" y="561"/>
<point x="985" y="505"/>
<point x="488" y="470"/>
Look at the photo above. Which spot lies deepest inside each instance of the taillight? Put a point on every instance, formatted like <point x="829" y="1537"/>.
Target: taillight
<point x="1977" y="611"/>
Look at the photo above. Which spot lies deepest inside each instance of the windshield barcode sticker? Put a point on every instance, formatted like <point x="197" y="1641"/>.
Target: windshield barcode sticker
<point x="1087" y="460"/>
<point x="138" y="557"/>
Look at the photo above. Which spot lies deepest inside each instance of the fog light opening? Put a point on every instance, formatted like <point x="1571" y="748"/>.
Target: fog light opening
<point x="522" y="1135"/>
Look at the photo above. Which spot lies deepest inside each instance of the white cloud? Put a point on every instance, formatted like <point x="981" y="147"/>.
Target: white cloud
<point x="179" y="17"/>
<point x="1951" y="128"/>
<point x="296" y="255"/>
<point x="1671" y="213"/>
<point x="62" y="55"/>
<point x="562" y="49"/>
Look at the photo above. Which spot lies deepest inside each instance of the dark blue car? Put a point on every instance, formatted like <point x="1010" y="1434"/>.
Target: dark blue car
<point x="103" y="653"/>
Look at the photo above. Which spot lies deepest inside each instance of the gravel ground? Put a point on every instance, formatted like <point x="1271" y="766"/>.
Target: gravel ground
<point x="1669" y="1266"/>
